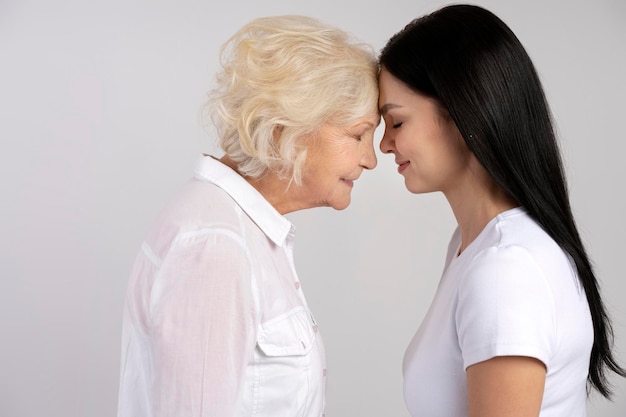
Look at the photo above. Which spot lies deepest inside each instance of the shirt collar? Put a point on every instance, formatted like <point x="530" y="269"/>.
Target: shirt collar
<point x="271" y="222"/>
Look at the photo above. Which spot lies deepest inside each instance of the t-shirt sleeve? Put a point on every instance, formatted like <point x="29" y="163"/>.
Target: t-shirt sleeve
<point x="505" y="307"/>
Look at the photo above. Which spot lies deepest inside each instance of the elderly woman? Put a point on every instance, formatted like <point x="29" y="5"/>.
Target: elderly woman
<point x="216" y="323"/>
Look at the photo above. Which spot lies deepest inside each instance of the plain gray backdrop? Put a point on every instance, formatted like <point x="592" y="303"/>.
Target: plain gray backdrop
<point x="99" y="105"/>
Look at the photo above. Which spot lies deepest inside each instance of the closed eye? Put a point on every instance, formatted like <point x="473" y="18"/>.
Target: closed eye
<point x="397" y="125"/>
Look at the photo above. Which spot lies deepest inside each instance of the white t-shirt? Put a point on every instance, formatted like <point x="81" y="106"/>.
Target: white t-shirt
<point x="215" y="322"/>
<point x="512" y="292"/>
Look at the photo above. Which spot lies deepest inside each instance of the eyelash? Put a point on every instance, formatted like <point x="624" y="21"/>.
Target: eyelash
<point x="397" y="125"/>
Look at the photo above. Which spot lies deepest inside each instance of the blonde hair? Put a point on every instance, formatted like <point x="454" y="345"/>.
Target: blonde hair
<point x="282" y="78"/>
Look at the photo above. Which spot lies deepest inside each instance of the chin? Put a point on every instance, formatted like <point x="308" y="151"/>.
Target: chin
<point x="340" y="205"/>
<point x="416" y="188"/>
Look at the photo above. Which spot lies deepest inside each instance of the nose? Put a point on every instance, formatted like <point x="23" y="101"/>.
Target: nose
<point x="368" y="160"/>
<point x="386" y="144"/>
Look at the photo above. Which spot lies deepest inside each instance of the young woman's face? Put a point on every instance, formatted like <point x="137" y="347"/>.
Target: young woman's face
<point x="336" y="157"/>
<point x="428" y="147"/>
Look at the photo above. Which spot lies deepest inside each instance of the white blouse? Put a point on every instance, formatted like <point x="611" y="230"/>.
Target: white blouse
<point x="215" y="322"/>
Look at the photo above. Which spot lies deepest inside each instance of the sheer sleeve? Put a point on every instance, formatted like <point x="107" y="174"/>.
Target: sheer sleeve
<point x="203" y="325"/>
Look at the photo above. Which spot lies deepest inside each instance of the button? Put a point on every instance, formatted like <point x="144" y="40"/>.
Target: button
<point x="324" y="372"/>
<point x="297" y="285"/>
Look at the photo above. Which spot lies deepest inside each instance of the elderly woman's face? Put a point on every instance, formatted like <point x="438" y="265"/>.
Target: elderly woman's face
<point x="336" y="157"/>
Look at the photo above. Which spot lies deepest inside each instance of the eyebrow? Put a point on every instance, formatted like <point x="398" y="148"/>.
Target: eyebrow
<point x="385" y="108"/>
<point x="368" y="123"/>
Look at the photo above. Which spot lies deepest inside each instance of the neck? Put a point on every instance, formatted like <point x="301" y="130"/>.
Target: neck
<point x="277" y="191"/>
<point x="475" y="201"/>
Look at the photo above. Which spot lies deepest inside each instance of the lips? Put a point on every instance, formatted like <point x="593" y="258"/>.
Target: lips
<point x="349" y="183"/>
<point x="402" y="165"/>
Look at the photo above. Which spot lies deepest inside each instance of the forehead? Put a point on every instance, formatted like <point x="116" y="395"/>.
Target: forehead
<point x="360" y="125"/>
<point x="394" y="94"/>
<point x="368" y="121"/>
<point x="392" y="89"/>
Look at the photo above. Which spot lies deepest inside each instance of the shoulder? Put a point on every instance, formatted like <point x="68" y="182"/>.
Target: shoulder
<point x="524" y="245"/>
<point x="199" y="211"/>
<point x="517" y="228"/>
<point x="514" y="240"/>
<point x="503" y="271"/>
<point x="508" y="276"/>
<point x="515" y="255"/>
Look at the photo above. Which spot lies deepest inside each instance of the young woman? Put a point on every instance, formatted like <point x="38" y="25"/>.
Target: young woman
<point x="216" y="323"/>
<point x="517" y="326"/>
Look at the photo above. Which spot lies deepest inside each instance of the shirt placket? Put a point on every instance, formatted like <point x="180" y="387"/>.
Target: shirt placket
<point x="289" y="244"/>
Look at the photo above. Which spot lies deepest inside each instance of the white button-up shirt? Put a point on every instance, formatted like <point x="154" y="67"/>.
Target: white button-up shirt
<point x="215" y="322"/>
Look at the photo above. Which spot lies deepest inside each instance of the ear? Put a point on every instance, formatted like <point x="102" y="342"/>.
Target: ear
<point x="277" y="133"/>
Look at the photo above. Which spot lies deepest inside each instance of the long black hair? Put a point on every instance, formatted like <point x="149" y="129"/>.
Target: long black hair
<point x="470" y="61"/>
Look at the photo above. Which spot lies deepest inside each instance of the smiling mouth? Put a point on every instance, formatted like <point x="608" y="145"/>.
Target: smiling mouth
<point x="402" y="166"/>
<point x="349" y="183"/>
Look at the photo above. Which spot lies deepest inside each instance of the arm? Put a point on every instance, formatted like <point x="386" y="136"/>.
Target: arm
<point x="506" y="386"/>
<point x="203" y="326"/>
<point x="506" y="327"/>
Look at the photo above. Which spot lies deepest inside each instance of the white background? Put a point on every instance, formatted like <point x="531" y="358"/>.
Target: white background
<point x="99" y="125"/>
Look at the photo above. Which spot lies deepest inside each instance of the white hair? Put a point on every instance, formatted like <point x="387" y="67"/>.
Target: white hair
<point x="283" y="78"/>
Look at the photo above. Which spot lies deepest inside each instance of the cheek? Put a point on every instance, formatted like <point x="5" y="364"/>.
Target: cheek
<point x="457" y="147"/>
<point x="343" y="158"/>
<point x="409" y="144"/>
